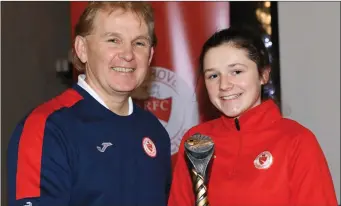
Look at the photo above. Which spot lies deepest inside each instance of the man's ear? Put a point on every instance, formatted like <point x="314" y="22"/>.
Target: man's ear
<point x="265" y="76"/>
<point x="81" y="48"/>
<point x="151" y="55"/>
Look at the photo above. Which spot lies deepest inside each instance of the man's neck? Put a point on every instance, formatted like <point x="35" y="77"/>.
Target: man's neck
<point x="116" y="102"/>
<point x="118" y="106"/>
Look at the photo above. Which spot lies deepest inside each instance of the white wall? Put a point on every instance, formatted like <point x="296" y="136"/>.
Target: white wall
<point x="309" y="40"/>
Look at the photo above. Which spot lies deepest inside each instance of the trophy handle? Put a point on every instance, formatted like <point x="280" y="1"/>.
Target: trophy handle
<point x="199" y="151"/>
<point x="200" y="189"/>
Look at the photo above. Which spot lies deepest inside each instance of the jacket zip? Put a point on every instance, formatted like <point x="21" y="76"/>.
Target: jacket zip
<point x="236" y="122"/>
<point x="237" y="125"/>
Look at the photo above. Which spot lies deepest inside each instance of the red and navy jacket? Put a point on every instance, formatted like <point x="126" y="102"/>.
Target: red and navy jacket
<point x="72" y="151"/>
<point x="260" y="160"/>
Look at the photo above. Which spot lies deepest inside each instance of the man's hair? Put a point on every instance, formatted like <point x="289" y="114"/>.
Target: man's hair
<point x="84" y="26"/>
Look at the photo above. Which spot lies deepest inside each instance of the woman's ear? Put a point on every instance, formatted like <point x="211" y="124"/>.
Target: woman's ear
<point x="265" y="76"/>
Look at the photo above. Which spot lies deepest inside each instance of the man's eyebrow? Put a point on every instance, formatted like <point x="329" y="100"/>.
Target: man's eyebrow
<point x="142" y="37"/>
<point x="110" y="34"/>
<point x="146" y="37"/>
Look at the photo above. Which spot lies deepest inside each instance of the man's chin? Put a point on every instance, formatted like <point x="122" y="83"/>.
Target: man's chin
<point x="122" y="92"/>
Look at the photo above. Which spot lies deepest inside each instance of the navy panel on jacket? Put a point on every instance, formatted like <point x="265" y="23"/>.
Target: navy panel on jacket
<point x="93" y="157"/>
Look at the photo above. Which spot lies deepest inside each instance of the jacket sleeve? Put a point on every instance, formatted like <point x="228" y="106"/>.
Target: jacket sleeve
<point x="310" y="180"/>
<point x="39" y="172"/>
<point x="181" y="189"/>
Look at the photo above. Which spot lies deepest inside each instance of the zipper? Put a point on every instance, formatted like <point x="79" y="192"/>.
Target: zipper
<point x="236" y="122"/>
<point x="235" y="165"/>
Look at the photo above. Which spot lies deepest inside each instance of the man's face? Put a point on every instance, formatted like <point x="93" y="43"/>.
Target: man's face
<point x="117" y="53"/>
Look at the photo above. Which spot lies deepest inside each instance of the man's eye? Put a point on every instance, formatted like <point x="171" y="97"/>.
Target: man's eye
<point x="141" y="43"/>
<point x="114" y="40"/>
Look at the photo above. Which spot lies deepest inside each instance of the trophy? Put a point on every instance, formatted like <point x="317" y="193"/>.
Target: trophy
<point x="199" y="151"/>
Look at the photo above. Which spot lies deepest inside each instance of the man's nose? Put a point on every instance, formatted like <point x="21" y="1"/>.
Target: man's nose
<point x="126" y="53"/>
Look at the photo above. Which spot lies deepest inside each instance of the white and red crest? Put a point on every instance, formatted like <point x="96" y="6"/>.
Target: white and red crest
<point x="264" y="160"/>
<point x="149" y="147"/>
<point x="161" y="108"/>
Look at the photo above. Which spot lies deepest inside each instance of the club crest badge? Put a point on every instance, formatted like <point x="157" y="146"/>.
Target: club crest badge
<point x="149" y="147"/>
<point x="264" y="160"/>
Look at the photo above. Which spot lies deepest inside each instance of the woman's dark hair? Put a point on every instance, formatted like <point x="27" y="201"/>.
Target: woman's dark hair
<point x="238" y="37"/>
<point x="243" y="38"/>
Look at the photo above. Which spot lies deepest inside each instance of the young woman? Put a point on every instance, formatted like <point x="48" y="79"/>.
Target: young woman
<point x="260" y="157"/>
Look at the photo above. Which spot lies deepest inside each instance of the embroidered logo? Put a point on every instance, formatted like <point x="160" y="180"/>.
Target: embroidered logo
<point x="264" y="160"/>
<point x="149" y="147"/>
<point x="105" y="145"/>
<point x="28" y="204"/>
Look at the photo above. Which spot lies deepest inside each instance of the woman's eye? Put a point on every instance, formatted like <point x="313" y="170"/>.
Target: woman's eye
<point x="236" y="72"/>
<point x="212" y="76"/>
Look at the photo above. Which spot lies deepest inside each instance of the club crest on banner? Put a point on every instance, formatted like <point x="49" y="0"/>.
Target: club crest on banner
<point x="173" y="102"/>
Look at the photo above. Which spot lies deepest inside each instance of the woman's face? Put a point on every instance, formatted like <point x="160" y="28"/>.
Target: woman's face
<point x="232" y="79"/>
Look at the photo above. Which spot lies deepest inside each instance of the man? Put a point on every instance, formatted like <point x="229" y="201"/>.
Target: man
<point x="91" y="146"/>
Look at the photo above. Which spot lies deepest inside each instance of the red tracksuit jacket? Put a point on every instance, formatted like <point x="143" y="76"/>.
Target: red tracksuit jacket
<point x="270" y="161"/>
